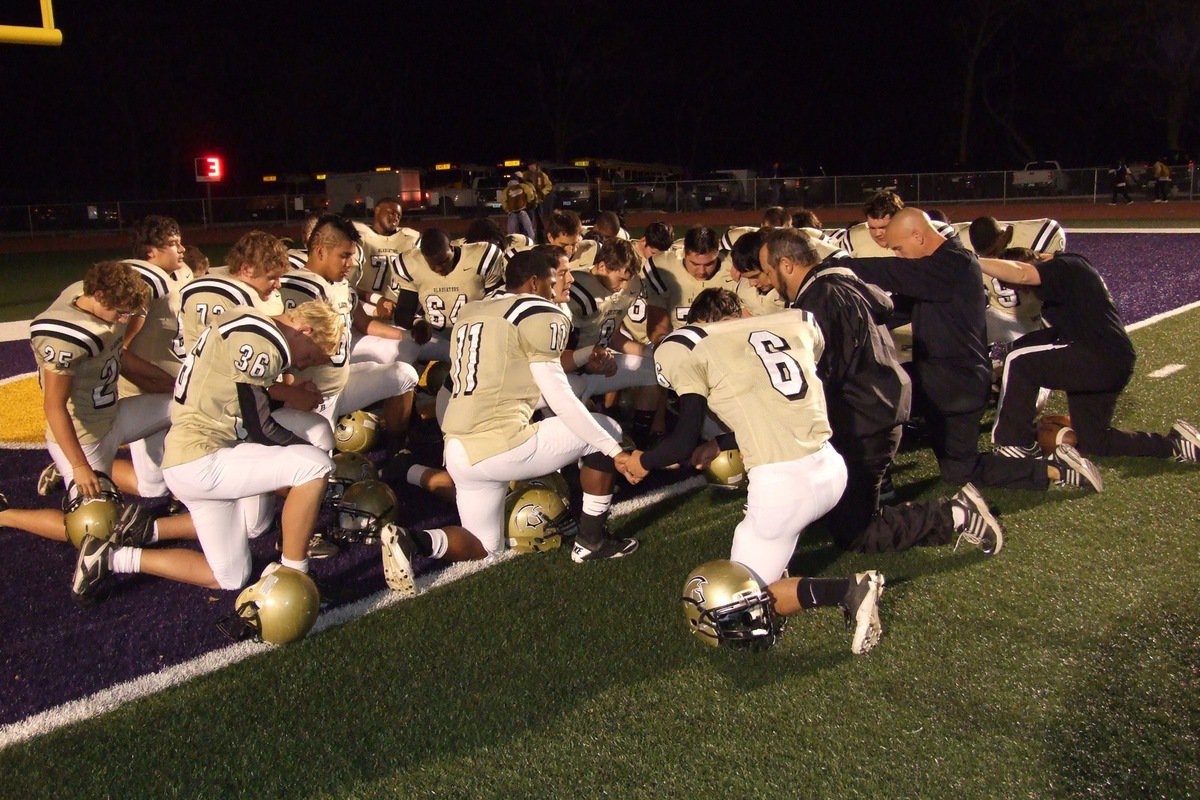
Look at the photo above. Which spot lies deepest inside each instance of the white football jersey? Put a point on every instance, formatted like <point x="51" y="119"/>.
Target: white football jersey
<point x="378" y="256"/>
<point x="69" y="341"/>
<point x="476" y="272"/>
<point x="759" y="376"/>
<point x="856" y="240"/>
<point x="156" y="341"/>
<point x="1040" y="236"/>
<point x="302" y="285"/>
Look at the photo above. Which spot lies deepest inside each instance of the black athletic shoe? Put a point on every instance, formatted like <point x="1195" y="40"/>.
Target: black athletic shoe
<point x="92" y="569"/>
<point x="395" y="471"/>
<point x="608" y="548"/>
<point x="135" y="527"/>
<point x="1185" y="441"/>
<point x="49" y="480"/>
<point x="981" y="528"/>
<point x="1075" y="470"/>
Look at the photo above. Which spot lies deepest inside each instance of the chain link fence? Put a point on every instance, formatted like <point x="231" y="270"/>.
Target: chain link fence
<point x="735" y="189"/>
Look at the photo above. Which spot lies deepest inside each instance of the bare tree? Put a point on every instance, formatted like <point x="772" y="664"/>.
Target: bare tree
<point x="981" y="20"/>
<point x="1149" y="51"/>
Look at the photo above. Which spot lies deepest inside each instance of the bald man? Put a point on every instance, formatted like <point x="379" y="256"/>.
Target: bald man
<point x="952" y="371"/>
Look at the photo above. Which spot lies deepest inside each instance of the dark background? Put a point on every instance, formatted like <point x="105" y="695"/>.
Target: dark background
<point x="138" y="89"/>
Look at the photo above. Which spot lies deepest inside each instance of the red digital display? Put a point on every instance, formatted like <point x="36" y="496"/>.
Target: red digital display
<point x="209" y="169"/>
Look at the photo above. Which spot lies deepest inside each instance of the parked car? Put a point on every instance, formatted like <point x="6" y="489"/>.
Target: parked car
<point x="1046" y="177"/>
<point x="724" y="188"/>
<point x="487" y="192"/>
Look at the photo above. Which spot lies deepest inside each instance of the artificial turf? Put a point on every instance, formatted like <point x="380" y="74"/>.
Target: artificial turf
<point x="1066" y="666"/>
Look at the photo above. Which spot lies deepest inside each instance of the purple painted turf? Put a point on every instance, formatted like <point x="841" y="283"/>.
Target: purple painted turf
<point x="52" y="651"/>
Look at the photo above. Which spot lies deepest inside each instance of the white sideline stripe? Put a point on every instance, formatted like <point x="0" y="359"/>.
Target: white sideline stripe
<point x="1132" y="230"/>
<point x="13" y="331"/>
<point x="1160" y="317"/>
<point x="116" y="696"/>
<point x="1169" y="369"/>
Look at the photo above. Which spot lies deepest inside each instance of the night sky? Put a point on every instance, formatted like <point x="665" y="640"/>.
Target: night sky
<point x="140" y="88"/>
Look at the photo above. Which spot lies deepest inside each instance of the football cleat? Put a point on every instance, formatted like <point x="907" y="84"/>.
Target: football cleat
<point x="91" y="569"/>
<point x="49" y="480"/>
<point x="398" y="549"/>
<point x="861" y="608"/>
<point x="395" y="471"/>
<point x="3" y="502"/>
<point x="1075" y="470"/>
<point x="1185" y="439"/>
<point x="609" y="547"/>
<point x="981" y="528"/>
<point x="319" y="547"/>
<point x="135" y="528"/>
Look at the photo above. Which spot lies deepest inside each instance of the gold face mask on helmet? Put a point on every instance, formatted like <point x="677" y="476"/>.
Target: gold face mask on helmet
<point x="364" y="509"/>
<point x="348" y="469"/>
<point x="726" y="470"/>
<point x="280" y="607"/>
<point x="724" y="604"/>
<point x="536" y="519"/>
<point x="92" y="516"/>
<point x="357" y="432"/>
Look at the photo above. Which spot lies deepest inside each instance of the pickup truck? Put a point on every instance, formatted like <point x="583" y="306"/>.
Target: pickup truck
<point x="1043" y="176"/>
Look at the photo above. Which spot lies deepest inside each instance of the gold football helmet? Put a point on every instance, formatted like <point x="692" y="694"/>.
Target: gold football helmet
<point x="553" y="481"/>
<point x="536" y="519"/>
<point x="726" y="470"/>
<point x="726" y="605"/>
<point x="357" y="432"/>
<point x="364" y="509"/>
<point x="92" y="516"/>
<point x="348" y="469"/>
<point x="280" y="607"/>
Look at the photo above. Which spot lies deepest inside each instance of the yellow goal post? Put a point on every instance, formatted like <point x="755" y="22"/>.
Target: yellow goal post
<point x="27" y="34"/>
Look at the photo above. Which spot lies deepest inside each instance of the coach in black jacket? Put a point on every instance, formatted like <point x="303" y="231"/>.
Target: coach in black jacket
<point x="867" y="392"/>
<point x="1085" y="352"/>
<point x="950" y="358"/>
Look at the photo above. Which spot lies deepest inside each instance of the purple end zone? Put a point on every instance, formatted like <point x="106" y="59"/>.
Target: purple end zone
<point x="52" y="652"/>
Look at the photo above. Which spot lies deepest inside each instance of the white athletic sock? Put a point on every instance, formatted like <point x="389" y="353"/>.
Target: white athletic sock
<point x="438" y="541"/>
<point x="301" y="564"/>
<point x="596" y="504"/>
<point x="125" y="560"/>
<point x="415" y="473"/>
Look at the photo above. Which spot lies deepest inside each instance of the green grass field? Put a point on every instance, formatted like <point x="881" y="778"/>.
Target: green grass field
<point x="1067" y="666"/>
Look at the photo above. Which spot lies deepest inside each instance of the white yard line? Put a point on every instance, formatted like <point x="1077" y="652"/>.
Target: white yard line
<point x="116" y="696"/>
<point x="1169" y="369"/>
